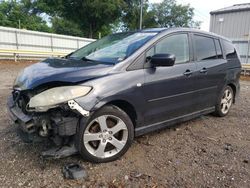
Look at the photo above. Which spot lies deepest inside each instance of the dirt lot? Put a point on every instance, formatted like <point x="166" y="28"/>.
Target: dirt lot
<point x="205" y="152"/>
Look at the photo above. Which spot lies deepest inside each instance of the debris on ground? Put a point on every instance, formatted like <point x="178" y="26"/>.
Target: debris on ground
<point x="74" y="171"/>
<point x="60" y="152"/>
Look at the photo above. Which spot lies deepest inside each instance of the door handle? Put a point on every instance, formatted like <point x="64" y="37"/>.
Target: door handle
<point x="188" y="72"/>
<point x="204" y="70"/>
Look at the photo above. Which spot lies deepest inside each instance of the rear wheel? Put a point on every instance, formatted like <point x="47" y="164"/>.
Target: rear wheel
<point x="106" y="136"/>
<point x="224" y="102"/>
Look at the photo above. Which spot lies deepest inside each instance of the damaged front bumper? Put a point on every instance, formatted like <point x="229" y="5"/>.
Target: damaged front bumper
<point x="57" y="123"/>
<point x="18" y="117"/>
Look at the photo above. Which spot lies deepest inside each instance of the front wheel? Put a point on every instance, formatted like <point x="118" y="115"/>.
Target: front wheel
<point x="224" y="102"/>
<point x="106" y="136"/>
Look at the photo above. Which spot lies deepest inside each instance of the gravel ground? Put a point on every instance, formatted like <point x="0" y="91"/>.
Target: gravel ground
<point x="205" y="152"/>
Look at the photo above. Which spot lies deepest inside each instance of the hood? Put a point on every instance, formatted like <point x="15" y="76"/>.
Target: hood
<point x="59" y="70"/>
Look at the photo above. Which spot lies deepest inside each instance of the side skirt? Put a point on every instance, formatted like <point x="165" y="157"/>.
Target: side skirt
<point x="161" y="125"/>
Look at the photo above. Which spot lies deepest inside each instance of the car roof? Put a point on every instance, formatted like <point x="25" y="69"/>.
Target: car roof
<point x="175" y="29"/>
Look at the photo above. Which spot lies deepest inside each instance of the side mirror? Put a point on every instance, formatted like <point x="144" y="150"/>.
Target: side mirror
<point x="162" y="60"/>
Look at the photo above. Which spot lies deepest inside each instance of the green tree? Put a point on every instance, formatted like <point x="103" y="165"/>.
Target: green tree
<point x="131" y="15"/>
<point x="165" y="14"/>
<point x="65" y="27"/>
<point x="89" y="18"/>
<point x="170" y="14"/>
<point x="92" y="16"/>
<point x="18" y="13"/>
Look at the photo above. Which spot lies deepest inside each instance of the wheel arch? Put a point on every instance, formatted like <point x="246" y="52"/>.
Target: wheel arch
<point x="233" y="86"/>
<point x="127" y="107"/>
<point x="124" y="105"/>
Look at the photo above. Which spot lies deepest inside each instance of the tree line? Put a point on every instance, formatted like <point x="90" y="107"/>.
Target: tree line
<point x="92" y="18"/>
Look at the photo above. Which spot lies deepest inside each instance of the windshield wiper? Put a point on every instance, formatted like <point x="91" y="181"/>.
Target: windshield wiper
<point x="97" y="61"/>
<point x="87" y="59"/>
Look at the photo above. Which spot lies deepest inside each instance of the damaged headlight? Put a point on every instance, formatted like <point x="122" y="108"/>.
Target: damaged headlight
<point x="53" y="97"/>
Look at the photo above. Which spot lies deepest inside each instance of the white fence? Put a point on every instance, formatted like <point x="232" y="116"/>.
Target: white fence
<point x="32" y="44"/>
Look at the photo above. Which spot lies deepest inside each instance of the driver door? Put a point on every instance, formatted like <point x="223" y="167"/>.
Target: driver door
<point x="170" y="91"/>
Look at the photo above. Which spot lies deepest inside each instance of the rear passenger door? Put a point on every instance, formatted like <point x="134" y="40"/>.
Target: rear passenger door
<point x="211" y="68"/>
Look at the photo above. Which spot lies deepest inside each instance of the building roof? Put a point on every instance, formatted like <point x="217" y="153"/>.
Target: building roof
<point x="234" y="8"/>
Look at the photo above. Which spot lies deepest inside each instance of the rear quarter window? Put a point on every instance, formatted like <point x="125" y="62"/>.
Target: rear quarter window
<point x="230" y="51"/>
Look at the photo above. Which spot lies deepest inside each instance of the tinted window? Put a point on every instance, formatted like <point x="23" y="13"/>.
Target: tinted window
<point x="218" y="48"/>
<point x="175" y="44"/>
<point x="204" y="47"/>
<point x="229" y="50"/>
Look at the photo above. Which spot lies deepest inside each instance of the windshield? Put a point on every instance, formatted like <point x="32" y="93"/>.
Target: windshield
<point x="113" y="48"/>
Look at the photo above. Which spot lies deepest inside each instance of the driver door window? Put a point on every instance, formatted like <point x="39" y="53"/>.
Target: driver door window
<point x="175" y="44"/>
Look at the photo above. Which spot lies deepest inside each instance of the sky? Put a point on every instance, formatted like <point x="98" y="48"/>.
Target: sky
<point x="202" y="8"/>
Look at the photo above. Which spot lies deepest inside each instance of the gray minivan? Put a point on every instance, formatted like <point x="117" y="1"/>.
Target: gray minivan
<point x="96" y="99"/>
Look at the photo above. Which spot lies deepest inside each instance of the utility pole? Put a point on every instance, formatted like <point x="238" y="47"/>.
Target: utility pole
<point x="19" y="24"/>
<point x="141" y="14"/>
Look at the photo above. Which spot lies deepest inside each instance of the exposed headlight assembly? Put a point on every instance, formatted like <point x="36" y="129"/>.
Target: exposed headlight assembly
<point x="52" y="97"/>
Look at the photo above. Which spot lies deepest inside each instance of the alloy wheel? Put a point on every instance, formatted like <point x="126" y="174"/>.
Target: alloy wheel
<point x="105" y="136"/>
<point x="226" y="101"/>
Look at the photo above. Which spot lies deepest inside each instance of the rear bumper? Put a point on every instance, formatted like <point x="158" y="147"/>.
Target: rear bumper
<point x="24" y="121"/>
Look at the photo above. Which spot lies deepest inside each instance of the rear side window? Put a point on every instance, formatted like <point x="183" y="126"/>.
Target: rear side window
<point x="218" y="48"/>
<point x="230" y="51"/>
<point x="204" y="48"/>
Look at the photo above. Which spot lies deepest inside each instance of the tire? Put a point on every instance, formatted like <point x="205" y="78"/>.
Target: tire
<point x="105" y="136"/>
<point x="224" y="102"/>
